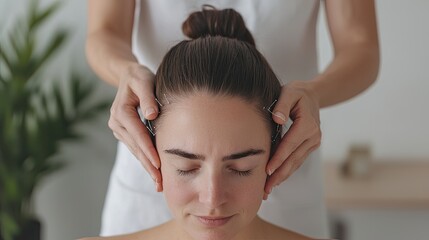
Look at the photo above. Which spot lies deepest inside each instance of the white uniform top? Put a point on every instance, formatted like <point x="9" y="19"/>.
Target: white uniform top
<point x="285" y="33"/>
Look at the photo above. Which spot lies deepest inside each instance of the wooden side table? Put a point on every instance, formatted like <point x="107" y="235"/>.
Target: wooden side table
<point x="390" y="185"/>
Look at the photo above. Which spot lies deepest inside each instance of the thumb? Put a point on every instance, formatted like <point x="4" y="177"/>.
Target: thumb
<point x="281" y="111"/>
<point x="144" y="90"/>
<point x="149" y="107"/>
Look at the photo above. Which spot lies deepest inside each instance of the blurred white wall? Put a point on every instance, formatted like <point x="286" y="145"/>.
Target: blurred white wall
<point x="392" y="116"/>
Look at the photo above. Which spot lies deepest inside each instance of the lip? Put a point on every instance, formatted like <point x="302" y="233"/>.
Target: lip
<point x="214" y="221"/>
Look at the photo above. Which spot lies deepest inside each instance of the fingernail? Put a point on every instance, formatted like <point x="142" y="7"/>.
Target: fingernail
<point x="280" y="115"/>
<point x="154" y="164"/>
<point x="149" y="111"/>
<point x="270" y="172"/>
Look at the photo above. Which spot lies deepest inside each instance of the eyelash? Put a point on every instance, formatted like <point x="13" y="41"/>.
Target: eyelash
<point x="186" y="172"/>
<point x="242" y="173"/>
<point x="239" y="173"/>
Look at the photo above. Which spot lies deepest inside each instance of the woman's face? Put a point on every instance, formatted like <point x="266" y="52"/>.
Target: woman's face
<point x="213" y="152"/>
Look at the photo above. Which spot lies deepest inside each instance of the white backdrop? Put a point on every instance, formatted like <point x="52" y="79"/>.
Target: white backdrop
<point x="392" y="116"/>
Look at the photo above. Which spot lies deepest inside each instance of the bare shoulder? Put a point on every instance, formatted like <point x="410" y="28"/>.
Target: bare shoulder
<point x="152" y="233"/>
<point x="281" y="234"/>
<point x="132" y="236"/>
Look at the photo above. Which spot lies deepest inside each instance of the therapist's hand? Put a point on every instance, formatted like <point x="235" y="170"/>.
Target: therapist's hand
<point x="135" y="89"/>
<point x="300" y="103"/>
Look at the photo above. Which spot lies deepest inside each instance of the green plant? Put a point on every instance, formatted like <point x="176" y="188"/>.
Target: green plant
<point x="34" y="118"/>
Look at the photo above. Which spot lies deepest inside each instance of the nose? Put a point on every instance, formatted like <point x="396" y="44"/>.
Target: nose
<point x="213" y="191"/>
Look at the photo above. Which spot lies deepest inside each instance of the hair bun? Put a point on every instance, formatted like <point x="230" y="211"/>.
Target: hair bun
<point x="212" y="22"/>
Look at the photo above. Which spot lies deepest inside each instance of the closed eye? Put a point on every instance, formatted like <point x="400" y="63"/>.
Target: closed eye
<point x="186" y="172"/>
<point x="234" y="171"/>
<point x="242" y="173"/>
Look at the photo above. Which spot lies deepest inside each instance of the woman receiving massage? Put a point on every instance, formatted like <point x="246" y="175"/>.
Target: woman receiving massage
<point x="215" y="133"/>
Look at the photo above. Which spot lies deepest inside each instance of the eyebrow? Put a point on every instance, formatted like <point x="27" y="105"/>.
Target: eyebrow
<point x="234" y="156"/>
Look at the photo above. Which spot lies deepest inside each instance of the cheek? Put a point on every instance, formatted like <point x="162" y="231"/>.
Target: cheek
<point x="176" y="190"/>
<point x="250" y="191"/>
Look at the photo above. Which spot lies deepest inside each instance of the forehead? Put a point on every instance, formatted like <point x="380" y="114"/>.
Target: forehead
<point x="206" y="122"/>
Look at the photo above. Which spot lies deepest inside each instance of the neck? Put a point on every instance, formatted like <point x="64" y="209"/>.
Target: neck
<point x="255" y="230"/>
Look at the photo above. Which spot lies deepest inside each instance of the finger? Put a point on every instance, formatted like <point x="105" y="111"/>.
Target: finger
<point x="293" y="138"/>
<point x="265" y="196"/>
<point x="302" y="129"/>
<point x="140" y="155"/>
<point x="159" y="187"/>
<point x="291" y="164"/>
<point x="130" y="130"/>
<point x="117" y="136"/>
<point x="143" y="87"/>
<point x="283" y="107"/>
<point x="125" y="115"/>
<point x="136" y="130"/>
<point x="149" y="106"/>
<point x="116" y="128"/>
<point x="122" y="134"/>
<point x="273" y="179"/>
<point x="158" y="184"/>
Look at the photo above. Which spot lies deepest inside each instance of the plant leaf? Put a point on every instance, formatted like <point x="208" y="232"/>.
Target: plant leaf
<point x="8" y="226"/>
<point x="60" y="105"/>
<point x="53" y="46"/>
<point x="38" y="17"/>
<point x="4" y="56"/>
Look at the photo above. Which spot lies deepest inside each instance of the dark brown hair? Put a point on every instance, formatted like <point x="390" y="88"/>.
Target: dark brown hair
<point x="220" y="59"/>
